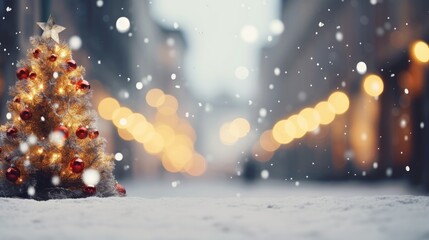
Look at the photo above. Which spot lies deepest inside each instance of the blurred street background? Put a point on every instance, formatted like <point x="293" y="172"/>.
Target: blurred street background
<point x="256" y="90"/>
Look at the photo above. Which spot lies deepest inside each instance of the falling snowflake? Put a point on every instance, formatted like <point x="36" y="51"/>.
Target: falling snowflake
<point x="361" y="68"/>
<point x="75" y="42"/>
<point x="241" y="73"/>
<point x="276" y="27"/>
<point x="175" y="184"/>
<point x="119" y="156"/>
<point x="249" y="34"/>
<point x="91" y="177"/>
<point x="55" y="180"/>
<point x="57" y="138"/>
<point x="123" y="24"/>
<point x="265" y="174"/>
<point x="31" y="191"/>
<point x="100" y="3"/>
<point x="339" y="36"/>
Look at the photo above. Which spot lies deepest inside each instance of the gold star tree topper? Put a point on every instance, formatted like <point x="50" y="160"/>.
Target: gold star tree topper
<point x="50" y="29"/>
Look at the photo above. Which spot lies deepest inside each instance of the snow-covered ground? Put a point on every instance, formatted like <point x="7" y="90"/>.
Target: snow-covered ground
<point x="199" y="211"/>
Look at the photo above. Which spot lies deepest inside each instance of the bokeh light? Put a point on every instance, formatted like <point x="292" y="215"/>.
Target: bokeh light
<point x="107" y="106"/>
<point x="267" y="142"/>
<point x="326" y="112"/>
<point x="169" y="106"/>
<point x="284" y="131"/>
<point x="420" y="51"/>
<point x="339" y="101"/>
<point x="239" y="127"/>
<point x="123" y="24"/>
<point x="120" y="115"/>
<point x="155" y="97"/>
<point x="299" y="124"/>
<point x="373" y="85"/>
<point x="312" y="118"/>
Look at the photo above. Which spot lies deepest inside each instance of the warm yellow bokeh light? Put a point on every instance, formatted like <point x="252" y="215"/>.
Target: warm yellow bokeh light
<point x="225" y="135"/>
<point x="186" y="129"/>
<point x="300" y="125"/>
<point x="239" y="127"/>
<point x="133" y="120"/>
<point x="168" y="165"/>
<point x="326" y="112"/>
<point x="166" y="132"/>
<point x="143" y="132"/>
<point x="169" y="106"/>
<point x="107" y="106"/>
<point x="155" y="144"/>
<point x="124" y="134"/>
<point x="339" y="101"/>
<point x="171" y="120"/>
<point x="181" y="139"/>
<point x="421" y="51"/>
<point x="179" y="156"/>
<point x="284" y="131"/>
<point x="260" y="154"/>
<point x="120" y="115"/>
<point x="373" y="85"/>
<point x="267" y="141"/>
<point x="197" y="166"/>
<point x="155" y="97"/>
<point x="311" y="117"/>
<point x="170" y="138"/>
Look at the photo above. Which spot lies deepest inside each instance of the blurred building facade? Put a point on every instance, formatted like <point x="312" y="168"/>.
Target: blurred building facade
<point x="317" y="55"/>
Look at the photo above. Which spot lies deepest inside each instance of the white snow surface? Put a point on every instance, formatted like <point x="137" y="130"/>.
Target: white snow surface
<point x="266" y="211"/>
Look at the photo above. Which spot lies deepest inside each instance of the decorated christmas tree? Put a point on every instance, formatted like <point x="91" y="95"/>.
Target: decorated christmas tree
<point x="50" y="147"/>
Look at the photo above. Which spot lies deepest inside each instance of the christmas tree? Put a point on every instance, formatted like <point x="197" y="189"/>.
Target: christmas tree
<point x="50" y="147"/>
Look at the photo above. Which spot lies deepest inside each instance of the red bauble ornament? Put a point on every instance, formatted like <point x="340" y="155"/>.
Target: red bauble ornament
<point x="93" y="133"/>
<point x="77" y="165"/>
<point x="71" y="65"/>
<point x="33" y="75"/>
<point x="89" y="190"/>
<point x="82" y="85"/>
<point x="121" y="190"/>
<point x="12" y="174"/>
<point x="22" y="73"/>
<point x="12" y="132"/>
<point x="53" y="58"/>
<point x="82" y="132"/>
<point x="25" y="114"/>
<point x="36" y="53"/>
<point x="64" y="130"/>
<point x="17" y="99"/>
